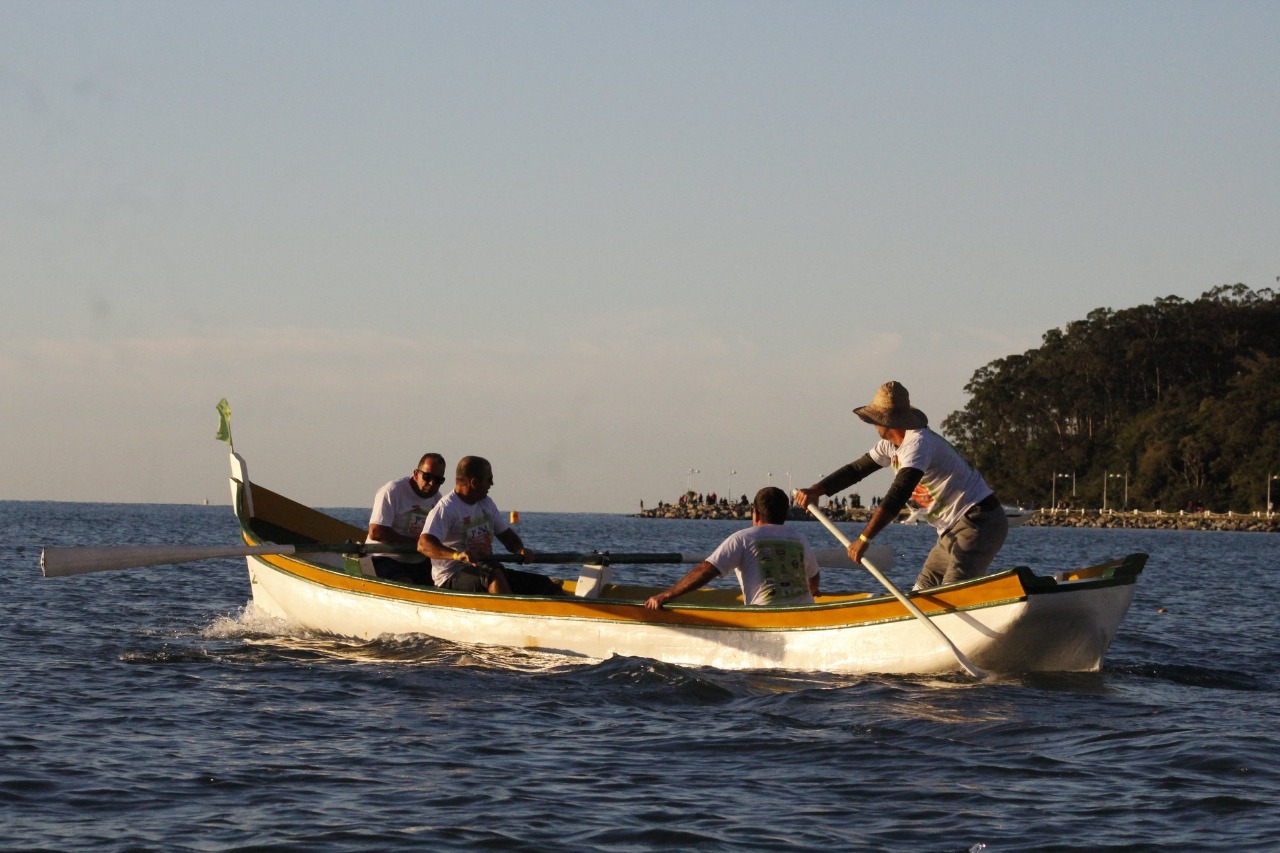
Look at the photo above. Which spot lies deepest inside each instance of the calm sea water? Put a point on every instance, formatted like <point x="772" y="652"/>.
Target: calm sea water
<point x="148" y="710"/>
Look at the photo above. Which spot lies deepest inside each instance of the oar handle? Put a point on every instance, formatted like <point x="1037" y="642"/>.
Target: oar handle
<point x="969" y="665"/>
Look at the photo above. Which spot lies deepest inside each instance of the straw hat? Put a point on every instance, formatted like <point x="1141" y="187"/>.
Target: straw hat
<point x="892" y="408"/>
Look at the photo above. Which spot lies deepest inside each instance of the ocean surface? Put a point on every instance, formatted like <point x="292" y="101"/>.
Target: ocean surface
<point x="149" y="709"/>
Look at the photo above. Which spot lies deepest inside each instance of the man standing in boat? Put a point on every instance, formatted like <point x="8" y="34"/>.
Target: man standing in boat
<point x="400" y="510"/>
<point x="459" y="533"/>
<point x="950" y="492"/>
<point x="774" y="564"/>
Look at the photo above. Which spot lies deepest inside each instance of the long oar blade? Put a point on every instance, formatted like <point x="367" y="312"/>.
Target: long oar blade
<point x="58" y="561"/>
<point x="964" y="661"/>
<point x="838" y="558"/>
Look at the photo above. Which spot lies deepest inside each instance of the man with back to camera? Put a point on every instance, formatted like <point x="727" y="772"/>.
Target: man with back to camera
<point x="774" y="564"/>
<point x="400" y="510"/>
<point x="952" y="495"/>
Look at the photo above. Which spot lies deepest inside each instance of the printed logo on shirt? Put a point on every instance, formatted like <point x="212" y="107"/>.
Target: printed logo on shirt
<point x="782" y="574"/>
<point x="477" y="535"/>
<point x="417" y="520"/>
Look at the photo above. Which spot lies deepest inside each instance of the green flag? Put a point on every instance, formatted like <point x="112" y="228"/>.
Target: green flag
<point x="224" y="421"/>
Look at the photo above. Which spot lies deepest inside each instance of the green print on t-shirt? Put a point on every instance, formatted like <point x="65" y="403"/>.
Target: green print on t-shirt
<point x="782" y="573"/>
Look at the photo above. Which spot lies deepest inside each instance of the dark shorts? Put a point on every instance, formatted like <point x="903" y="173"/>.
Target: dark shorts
<point x="470" y="579"/>
<point x="478" y="578"/>
<point x="391" y="569"/>
<point x="531" y="583"/>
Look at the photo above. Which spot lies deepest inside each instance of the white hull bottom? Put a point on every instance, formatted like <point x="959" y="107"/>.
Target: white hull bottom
<point x="1057" y="632"/>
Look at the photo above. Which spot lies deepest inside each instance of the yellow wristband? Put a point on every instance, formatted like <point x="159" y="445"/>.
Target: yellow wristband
<point x="862" y="537"/>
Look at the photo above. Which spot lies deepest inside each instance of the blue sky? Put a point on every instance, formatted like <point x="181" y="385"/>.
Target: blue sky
<point x="602" y="244"/>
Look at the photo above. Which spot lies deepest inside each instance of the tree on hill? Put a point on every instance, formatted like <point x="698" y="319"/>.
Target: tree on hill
<point x="1179" y="400"/>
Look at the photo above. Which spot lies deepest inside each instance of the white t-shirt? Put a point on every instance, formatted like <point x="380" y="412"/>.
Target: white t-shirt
<point x="398" y="506"/>
<point x="463" y="527"/>
<point x="950" y="485"/>
<point x="773" y="564"/>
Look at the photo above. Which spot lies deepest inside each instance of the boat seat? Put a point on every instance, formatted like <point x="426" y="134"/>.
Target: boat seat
<point x="359" y="566"/>
<point x="592" y="581"/>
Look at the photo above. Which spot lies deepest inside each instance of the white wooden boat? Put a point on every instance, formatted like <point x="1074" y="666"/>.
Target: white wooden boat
<point x="1011" y="621"/>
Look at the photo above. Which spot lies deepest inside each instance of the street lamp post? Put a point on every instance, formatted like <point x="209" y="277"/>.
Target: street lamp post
<point x="1105" y="478"/>
<point x="729" y="494"/>
<point x="1053" y="501"/>
<point x="1269" y="479"/>
<point x="688" y="480"/>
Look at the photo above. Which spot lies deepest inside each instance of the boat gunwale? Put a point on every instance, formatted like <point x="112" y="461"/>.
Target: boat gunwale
<point x="842" y="615"/>
<point x="617" y="611"/>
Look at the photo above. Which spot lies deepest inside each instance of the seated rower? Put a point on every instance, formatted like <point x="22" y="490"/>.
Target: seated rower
<point x="458" y="538"/>
<point x="399" y="510"/>
<point x="774" y="564"/>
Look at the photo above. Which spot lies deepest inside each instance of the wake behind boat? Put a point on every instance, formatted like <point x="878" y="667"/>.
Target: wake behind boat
<point x="1011" y="621"/>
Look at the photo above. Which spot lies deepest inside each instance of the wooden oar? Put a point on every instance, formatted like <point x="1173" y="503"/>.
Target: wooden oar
<point x="60" y="561"/>
<point x="968" y="665"/>
<point x="63" y="561"/>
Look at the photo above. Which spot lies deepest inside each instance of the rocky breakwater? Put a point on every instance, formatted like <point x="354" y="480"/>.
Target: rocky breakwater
<point x="1226" y="522"/>
<point x="742" y="512"/>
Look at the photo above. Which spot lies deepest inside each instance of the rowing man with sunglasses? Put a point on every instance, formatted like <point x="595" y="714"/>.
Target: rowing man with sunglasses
<point x="399" y="511"/>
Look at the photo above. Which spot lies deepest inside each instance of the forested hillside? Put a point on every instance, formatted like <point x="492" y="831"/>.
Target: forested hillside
<point x="1178" y="400"/>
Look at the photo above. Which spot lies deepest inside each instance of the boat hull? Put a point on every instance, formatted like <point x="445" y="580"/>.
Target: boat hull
<point x="1066" y="631"/>
<point x="1009" y="622"/>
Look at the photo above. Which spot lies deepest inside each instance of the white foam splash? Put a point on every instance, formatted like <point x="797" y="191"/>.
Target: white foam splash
<point x="251" y="622"/>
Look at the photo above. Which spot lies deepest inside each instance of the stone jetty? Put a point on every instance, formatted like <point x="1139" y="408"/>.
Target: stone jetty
<point x="742" y="511"/>
<point x="1234" y="522"/>
<point x="1227" y="521"/>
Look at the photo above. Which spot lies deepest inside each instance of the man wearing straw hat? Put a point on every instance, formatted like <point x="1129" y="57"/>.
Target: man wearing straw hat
<point x="953" y="497"/>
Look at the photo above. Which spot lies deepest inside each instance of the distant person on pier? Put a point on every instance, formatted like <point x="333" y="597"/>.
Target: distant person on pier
<point x="774" y="564"/>
<point x="458" y="539"/>
<point x="399" y="511"/>
<point x="953" y="496"/>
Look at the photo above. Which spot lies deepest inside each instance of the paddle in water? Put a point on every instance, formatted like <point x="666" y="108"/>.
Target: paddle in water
<point x="969" y="666"/>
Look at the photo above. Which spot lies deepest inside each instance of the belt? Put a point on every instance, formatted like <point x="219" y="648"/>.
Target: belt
<point x="988" y="504"/>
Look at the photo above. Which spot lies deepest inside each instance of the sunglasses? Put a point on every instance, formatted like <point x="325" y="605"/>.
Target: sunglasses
<point x="428" y="476"/>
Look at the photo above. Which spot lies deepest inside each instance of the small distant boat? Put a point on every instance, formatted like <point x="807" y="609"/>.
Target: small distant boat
<point x="1017" y="516"/>
<point x="1010" y="621"/>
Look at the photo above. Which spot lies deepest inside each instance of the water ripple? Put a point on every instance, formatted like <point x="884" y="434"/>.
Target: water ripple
<point x="154" y="710"/>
